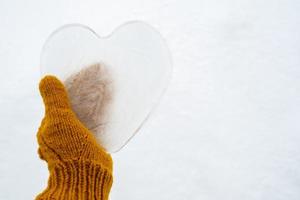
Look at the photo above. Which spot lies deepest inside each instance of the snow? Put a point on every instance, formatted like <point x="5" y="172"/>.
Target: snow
<point x="227" y="127"/>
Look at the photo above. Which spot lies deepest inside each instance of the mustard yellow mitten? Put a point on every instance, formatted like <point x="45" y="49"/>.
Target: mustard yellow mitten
<point x="79" y="167"/>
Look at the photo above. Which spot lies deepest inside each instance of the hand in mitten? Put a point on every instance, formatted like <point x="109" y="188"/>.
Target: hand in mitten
<point x="79" y="167"/>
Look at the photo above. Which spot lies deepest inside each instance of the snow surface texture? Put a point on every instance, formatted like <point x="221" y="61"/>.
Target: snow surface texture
<point x="228" y="127"/>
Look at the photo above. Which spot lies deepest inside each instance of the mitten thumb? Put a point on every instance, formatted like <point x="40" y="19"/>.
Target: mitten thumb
<point x="54" y="94"/>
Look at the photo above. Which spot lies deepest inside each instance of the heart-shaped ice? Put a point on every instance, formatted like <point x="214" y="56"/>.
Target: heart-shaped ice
<point x="138" y="63"/>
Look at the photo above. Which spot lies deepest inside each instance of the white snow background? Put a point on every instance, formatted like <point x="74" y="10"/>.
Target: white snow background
<point x="228" y="127"/>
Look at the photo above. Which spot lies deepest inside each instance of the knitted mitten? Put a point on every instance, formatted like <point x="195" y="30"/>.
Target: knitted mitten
<point x="79" y="167"/>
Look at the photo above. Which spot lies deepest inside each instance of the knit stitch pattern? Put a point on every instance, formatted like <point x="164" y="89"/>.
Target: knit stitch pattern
<point x="79" y="167"/>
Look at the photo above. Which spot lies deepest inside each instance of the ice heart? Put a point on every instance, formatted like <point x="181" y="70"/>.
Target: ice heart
<point x="138" y="63"/>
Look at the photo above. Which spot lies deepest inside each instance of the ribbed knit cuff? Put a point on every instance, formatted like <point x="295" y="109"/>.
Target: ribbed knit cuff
<point x="78" y="180"/>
